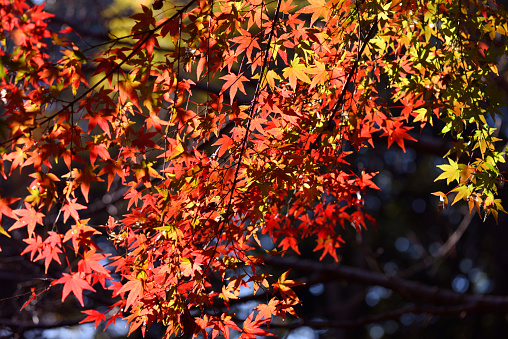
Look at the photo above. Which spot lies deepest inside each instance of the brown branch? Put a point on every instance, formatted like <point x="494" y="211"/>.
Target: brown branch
<point x="352" y="73"/>
<point x="374" y="319"/>
<point x="28" y="325"/>
<point x="412" y="290"/>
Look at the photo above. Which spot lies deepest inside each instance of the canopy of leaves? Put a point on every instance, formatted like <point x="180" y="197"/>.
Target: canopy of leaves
<point x="228" y="120"/>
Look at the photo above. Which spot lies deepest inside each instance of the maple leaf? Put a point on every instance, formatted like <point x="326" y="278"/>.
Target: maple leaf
<point x="317" y="8"/>
<point x="143" y="140"/>
<point x="233" y="83"/>
<point x="35" y="244"/>
<point x="82" y="179"/>
<point x="251" y="328"/>
<point x="6" y="210"/>
<point x="18" y="158"/>
<point x="71" y="209"/>
<point x="223" y="325"/>
<point x="112" y="168"/>
<point x="256" y="124"/>
<point x="321" y="74"/>
<point x="81" y="235"/>
<point x="286" y="6"/>
<point x="464" y="192"/>
<point x="95" y="316"/>
<point x="365" y="180"/>
<point x="189" y="268"/>
<point x="50" y="250"/>
<point x="98" y="150"/>
<point x="133" y="195"/>
<point x="135" y="289"/>
<point x="267" y="310"/>
<point x="397" y="132"/>
<point x="451" y="172"/>
<point x="183" y="116"/>
<point x="127" y="89"/>
<point x="284" y="285"/>
<point x="29" y="218"/>
<point x="38" y="15"/>
<point x="295" y="71"/>
<point x="245" y="43"/>
<point x="154" y="121"/>
<point x="329" y="244"/>
<point x="224" y="144"/>
<point x="289" y="242"/>
<point x="102" y="121"/>
<point x="73" y="283"/>
<point x="269" y="78"/>
<point x="90" y="263"/>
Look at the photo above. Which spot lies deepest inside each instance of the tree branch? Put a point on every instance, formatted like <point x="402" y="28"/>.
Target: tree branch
<point x="410" y="289"/>
<point x="28" y="325"/>
<point x="373" y="319"/>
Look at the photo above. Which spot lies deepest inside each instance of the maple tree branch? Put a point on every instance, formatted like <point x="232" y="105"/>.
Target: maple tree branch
<point x="410" y="289"/>
<point x="415" y="309"/>
<point x="352" y="73"/>
<point x="21" y="326"/>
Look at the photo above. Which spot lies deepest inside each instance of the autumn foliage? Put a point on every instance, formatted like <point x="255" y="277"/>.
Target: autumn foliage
<point x="226" y="120"/>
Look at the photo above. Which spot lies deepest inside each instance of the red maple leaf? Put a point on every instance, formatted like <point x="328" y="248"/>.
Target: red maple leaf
<point x="90" y="262"/>
<point x="329" y="244"/>
<point x="251" y="328"/>
<point x="35" y="244"/>
<point x="81" y="235"/>
<point x="93" y="315"/>
<point x="224" y="144"/>
<point x="29" y="218"/>
<point x="73" y="283"/>
<point x="112" y="168"/>
<point x="365" y="180"/>
<point x="135" y="289"/>
<point x="5" y="209"/>
<point x="98" y="150"/>
<point x="100" y="120"/>
<point x="289" y="242"/>
<point x="51" y="249"/>
<point x="71" y="209"/>
<point x="397" y="132"/>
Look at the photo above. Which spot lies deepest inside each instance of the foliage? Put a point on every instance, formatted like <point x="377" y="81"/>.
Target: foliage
<point x="209" y="169"/>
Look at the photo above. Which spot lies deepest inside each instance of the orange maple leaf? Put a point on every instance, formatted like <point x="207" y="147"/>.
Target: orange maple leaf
<point x="233" y="83"/>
